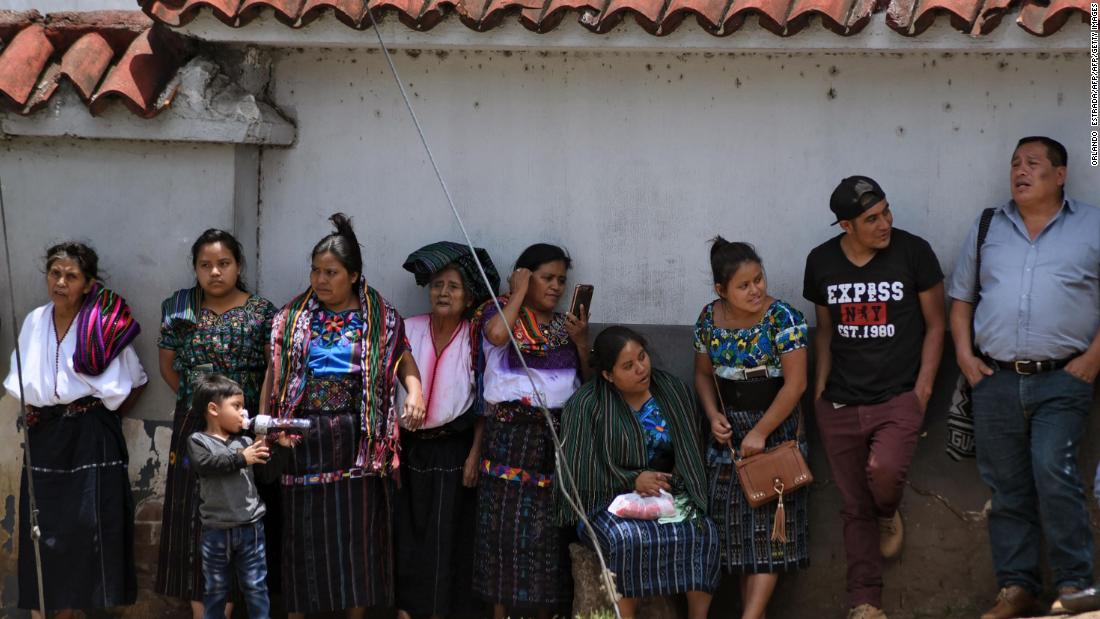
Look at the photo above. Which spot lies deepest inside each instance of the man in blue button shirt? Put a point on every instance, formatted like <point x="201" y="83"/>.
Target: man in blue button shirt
<point x="1033" y="357"/>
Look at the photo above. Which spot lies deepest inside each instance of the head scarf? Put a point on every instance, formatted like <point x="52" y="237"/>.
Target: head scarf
<point x="104" y="327"/>
<point x="384" y="343"/>
<point x="431" y="259"/>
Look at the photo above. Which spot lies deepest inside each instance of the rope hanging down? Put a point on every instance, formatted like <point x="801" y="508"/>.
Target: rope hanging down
<point x="569" y="489"/>
<point x="36" y="533"/>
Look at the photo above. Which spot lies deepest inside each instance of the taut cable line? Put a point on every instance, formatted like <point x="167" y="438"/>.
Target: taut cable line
<point x="36" y="532"/>
<point x="569" y="488"/>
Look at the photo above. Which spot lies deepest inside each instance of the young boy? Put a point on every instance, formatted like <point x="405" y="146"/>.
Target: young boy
<point x="231" y="509"/>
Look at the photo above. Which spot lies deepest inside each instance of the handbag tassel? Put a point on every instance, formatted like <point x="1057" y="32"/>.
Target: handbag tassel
<point x="779" y="525"/>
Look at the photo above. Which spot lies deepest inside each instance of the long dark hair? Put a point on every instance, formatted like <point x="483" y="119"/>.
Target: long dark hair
<point x="215" y="235"/>
<point x="343" y="244"/>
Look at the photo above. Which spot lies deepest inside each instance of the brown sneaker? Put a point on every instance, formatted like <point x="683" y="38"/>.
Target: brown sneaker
<point x="891" y="535"/>
<point x="866" y="611"/>
<point x="1014" y="601"/>
<point x="1057" y="608"/>
<point x="1080" y="601"/>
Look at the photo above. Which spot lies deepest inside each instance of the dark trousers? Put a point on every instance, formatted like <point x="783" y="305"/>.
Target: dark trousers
<point x="869" y="449"/>
<point x="241" y="548"/>
<point x="1028" y="429"/>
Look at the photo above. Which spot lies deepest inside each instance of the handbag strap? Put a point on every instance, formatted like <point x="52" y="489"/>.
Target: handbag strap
<point x="798" y="433"/>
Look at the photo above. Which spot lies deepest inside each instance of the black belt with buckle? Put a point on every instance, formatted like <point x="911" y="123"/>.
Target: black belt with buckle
<point x="1031" y="367"/>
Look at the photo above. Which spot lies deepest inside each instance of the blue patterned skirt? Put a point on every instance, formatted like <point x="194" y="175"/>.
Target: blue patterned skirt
<point x="747" y="547"/>
<point x="521" y="559"/>
<point x="651" y="559"/>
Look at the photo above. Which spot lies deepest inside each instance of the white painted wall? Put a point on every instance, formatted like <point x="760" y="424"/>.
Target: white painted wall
<point x="140" y="205"/>
<point x="51" y="6"/>
<point x="634" y="160"/>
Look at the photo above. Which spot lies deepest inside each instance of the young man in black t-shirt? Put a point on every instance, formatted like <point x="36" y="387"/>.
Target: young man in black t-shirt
<point x="878" y="293"/>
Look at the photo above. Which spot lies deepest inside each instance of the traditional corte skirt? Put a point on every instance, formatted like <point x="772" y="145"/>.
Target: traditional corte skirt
<point x="179" y="564"/>
<point x="434" y="520"/>
<point x="522" y="558"/>
<point x="747" y="547"/>
<point x="85" y="509"/>
<point x="336" y="519"/>
<point x="653" y="559"/>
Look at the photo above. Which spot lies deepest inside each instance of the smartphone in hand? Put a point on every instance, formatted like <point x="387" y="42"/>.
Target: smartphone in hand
<point x="582" y="295"/>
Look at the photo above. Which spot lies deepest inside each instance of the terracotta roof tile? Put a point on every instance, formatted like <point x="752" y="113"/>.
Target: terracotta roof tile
<point x="659" y="17"/>
<point x="22" y="61"/>
<point x="105" y="55"/>
<point x="1045" y="19"/>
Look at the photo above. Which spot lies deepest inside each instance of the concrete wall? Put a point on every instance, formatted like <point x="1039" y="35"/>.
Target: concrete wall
<point x="631" y="160"/>
<point x="51" y="6"/>
<point x="634" y="160"/>
<point x="140" y="205"/>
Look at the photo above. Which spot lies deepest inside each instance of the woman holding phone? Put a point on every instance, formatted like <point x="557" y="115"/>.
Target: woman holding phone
<point x="521" y="560"/>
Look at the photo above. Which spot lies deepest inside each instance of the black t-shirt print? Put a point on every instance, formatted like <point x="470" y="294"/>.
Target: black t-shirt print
<point x="878" y="327"/>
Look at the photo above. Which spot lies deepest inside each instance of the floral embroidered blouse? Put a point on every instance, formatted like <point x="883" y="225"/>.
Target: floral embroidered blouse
<point x="231" y="343"/>
<point x="781" y="330"/>
<point x="335" y="342"/>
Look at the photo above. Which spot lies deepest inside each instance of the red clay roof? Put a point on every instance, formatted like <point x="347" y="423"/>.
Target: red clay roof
<point x="658" y="17"/>
<point x="106" y="55"/>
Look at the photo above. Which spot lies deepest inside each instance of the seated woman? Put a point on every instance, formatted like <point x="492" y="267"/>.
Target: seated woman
<point x="632" y="429"/>
<point x="79" y="375"/>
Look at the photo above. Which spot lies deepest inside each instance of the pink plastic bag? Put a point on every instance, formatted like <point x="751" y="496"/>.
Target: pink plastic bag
<point x="633" y="505"/>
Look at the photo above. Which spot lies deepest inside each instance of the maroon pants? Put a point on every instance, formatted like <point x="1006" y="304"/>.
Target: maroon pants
<point x="869" y="449"/>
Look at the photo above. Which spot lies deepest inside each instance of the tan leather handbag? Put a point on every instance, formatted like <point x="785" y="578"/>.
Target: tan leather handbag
<point x="767" y="476"/>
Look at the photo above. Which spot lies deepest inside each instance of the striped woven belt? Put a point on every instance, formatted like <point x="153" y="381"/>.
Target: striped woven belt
<point x="317" y="479"/>
<point x="512" y="473"/>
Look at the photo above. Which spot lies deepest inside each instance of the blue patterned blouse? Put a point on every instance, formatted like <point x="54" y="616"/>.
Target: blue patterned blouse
<point x="334" y="342"/>
<point x="781" y="330"/>
<point x="655" y="428"/>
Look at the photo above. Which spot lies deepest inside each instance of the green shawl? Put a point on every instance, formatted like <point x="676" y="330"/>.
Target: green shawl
<point x="604" y="445"/>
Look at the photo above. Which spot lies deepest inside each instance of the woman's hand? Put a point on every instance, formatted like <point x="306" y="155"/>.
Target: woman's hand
<point x="414" y="410"/>
<point x="470" y="470"/>
<point x="720" y="429"/>
<point x="753" y="443"/>
<point x="577" y="328"/>
<point x="518" y="282"/>
<point x="256" y="453"/>
<point x="650" y="483"/>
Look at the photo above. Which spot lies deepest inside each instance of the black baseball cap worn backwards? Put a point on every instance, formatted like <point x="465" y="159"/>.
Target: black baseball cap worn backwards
<point x="854" y="195"/>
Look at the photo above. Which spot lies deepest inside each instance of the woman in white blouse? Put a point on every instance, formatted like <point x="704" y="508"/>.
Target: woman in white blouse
<point x="79" y="373"/>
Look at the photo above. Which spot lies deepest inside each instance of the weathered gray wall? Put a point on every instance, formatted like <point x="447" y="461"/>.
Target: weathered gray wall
<point x="140" y="205"/>
<point x="634" y="160"/>
<point x="631" y="160"/>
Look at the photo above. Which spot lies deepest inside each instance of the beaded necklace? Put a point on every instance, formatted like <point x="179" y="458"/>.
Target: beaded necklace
<point x="57" y="351"/>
